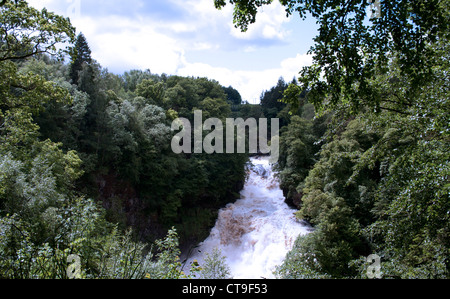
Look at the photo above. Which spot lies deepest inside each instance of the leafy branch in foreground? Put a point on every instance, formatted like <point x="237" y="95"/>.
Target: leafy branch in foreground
<point x="352" y="47"/>
<point x="26" y="32"/>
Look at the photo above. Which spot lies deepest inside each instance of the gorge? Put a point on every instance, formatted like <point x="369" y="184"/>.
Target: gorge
<point x="257" y="231"/>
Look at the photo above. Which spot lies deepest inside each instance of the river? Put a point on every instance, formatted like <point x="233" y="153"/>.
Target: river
<point x="257" y="231"/>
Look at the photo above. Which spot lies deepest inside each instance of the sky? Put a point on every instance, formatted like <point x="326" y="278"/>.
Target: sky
<point x="192" y="38"/>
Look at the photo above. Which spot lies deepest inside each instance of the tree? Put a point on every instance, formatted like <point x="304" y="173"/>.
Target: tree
<point x="327" y="252"/>
<point x="152" y="91"/>
<point x="233" y="96"/>
<point x="45" y="219"/>
<point x="412" y="198"/>
<point x="271" y="99"/>
<point x="351" y="48"/>
<point x="5" y="1"/>
<point x="215" y="108"/>
<point x="296" y="157"/>
<point x="81" y="56"/>
<point x="215" y="266"/>
<point x="18" y="26"/>
<point x="389" y="171"/>
<point x="134" y="77"/>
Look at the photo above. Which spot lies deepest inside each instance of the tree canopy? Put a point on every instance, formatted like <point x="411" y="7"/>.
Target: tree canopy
<point x="375" y="181"/>
<point x="87" y="173"/>
<point x="86" y="170"/>
<point x="81" y="55"/>
<point x="353" y="47"/>
<point x="26" y="31"/>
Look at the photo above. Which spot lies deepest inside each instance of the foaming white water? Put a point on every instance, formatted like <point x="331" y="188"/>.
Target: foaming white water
<point x="256" y="232"/>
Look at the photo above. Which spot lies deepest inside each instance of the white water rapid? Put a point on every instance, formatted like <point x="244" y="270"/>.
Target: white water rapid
<point x="256" y="232"/>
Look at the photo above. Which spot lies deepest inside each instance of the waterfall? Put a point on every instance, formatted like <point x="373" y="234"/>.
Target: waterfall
<point x="256" y="232"/>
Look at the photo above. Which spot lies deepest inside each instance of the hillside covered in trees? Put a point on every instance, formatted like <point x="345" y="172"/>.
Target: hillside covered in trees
<point x="376" y="180"/>
<point x="85" y="154"/>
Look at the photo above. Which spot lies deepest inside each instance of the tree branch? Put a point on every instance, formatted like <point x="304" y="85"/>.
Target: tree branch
<point x="394" y="110"/>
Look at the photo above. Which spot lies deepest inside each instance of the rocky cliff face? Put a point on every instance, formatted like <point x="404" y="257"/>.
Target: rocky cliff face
<point x="294" y="200"/>
<point x="124" y="207"/>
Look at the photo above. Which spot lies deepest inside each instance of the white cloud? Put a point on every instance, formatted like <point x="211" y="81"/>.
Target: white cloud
<point x="269" y="24"/>
<point x="250" y="49"/>
<point x="134" y="40"/>
<point x="249" y="83"/>
<point x="202" y="15"/>
<point x="179" y="27"/>
<point x="202" y="46"/>
<point x="295" y="64"/>
<point x="117" y="42"/>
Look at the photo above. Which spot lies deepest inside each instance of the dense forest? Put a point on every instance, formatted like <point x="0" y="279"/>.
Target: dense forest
<point x="86" y="168"/>
<point x="85" y="155"/>
<point x="369" y="166"/>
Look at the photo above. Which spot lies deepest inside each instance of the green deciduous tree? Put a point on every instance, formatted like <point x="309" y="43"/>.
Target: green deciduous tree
<point x="26" y="31"/>
<point x="383" y="168"/>
<point x="233" y="96"/>
<point x="296" y="156"/>
<point x="152" y="91"/>
<point x="352" y="46"/>
<point x="215" y="266"/>
<point x="48" y="110"/>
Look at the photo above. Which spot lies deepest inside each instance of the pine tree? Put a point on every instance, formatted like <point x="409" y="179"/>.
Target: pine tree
<point x="82" y="55"/>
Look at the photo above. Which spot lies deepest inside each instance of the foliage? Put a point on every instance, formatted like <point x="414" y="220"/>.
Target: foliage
<point x="296" y="155"/>
<point x="233" y="96"/>
<point x="388" y="171"/>
<point x="271" y="99"/>
<point x="19" y="24"/>
<point x="169" y="264"/>
<point x="380" y="183"/>
<point x="81" y="55"/>
<point x="66" y="128"/>
<point x="215" y="266"/>
<point x="244" y="12"/>
<point x="353" y="47"/>
<point x="368" y="166"/>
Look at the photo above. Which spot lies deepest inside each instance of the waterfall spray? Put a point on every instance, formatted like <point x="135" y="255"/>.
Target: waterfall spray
<point x="256" y="232"/>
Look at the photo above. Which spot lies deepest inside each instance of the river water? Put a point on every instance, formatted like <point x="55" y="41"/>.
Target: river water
<point x="256" y="232"/>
